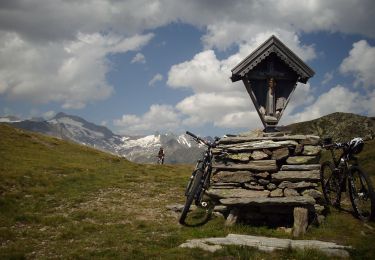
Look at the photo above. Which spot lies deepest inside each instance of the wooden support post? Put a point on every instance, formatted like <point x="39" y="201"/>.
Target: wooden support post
<point x="300" y="221"/>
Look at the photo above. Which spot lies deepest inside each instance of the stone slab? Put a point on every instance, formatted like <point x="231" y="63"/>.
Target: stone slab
<point x="302" y="160"/>
<point x="267" y="244"/>
<point x="300" y="167"/>
<point x="261" y="165"/>
<point x="288" y="201"/>
<point x="232" y="177"/>
<point x="236" y="193"/>
<point x="297" y="185"/>
<point x="295" y="176"/>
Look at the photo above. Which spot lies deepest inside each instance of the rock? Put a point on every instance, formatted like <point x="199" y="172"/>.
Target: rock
<point x="286" y="201"/>
<point x="297" y="185"/>
<point x="263" y="181"/>
<point x="259" y="155"/>
<point x="300" y="167"/>
<point x="277" y="193"/>
<point x="311" y="150"/>
<point x="313" y="193"/>
<point x="271" y="186"/>
<point x="280" y="153"/>
<point x="232" y="217"/>
<point x="232" y="177"/>
<point x="236" y="193"/>
<point x="319" y="208"/>
<point x="285" y="229"/>
<point x="225" y="185"/>
<point x="218" y="214"/>
<point x="253" y="187"/>
<point x="298" y="150"/>
<point x="220" y="208"/>
<point x="243" y="157"/>
<point x="311" y="140"/>
<point x="263" y="175"/>
<point x="260" y="165"/>
<point x="300" y="221"/>
<point x="267" y="244"/>
<point x="290" y="192"/>
<point x="320" y="219"/>
<point x="302" y="160"/>
<point x="296" y="176"/>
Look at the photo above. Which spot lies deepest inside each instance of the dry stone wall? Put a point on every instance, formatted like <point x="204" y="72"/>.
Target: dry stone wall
<point x="265" y="176"/>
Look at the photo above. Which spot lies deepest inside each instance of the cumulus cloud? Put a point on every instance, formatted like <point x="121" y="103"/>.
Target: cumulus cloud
<point x="158" y="118"/>
<point x="139" y="58"/>
<point x="72" y="72"/>
<point x="337" y="99"/>
<point x="360" y="63"/>
<point x="156" y="78"/>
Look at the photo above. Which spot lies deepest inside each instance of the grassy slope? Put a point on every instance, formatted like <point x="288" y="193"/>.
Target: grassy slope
<point x="62" y="200"/>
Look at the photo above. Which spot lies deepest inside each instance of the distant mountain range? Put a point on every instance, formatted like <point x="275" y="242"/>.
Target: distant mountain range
<point x="178" y="148"/>
<point x="142" y="149"/>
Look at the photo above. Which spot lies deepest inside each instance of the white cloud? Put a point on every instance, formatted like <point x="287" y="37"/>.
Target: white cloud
<point x="360" y="63"/>
<point x="158" y="118"/>
<point x="72" y="73"/>
<point x="328" y="76"/>
<point x="337" y="99"/>
<point x="139" y="58"/>
<point x="49" y="114"/>
<point x="156" y="78"/>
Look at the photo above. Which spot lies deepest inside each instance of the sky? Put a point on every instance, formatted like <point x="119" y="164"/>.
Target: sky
<point x="146" y="66"/>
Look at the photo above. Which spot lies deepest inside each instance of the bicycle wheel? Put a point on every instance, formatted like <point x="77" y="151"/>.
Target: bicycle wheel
<point x="361" y="194"/>
<point x="193" y="189"/>
<point x="330" y="181"/>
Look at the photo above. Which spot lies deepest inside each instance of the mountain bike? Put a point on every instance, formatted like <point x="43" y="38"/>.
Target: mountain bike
<point x="344" y="172"/>
<point x="199" y="181"/>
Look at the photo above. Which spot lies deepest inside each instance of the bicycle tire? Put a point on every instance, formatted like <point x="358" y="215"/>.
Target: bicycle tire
<point x="196" y="182"/>
<point x="361" y="191"/>
<point x="330" y="184"/>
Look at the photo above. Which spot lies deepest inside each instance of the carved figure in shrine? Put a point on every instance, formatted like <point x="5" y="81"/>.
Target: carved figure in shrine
<point x="270" y="75"/>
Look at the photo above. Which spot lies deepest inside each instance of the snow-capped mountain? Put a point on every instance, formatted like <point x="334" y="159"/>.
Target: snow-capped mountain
<point x="144" y="149"/>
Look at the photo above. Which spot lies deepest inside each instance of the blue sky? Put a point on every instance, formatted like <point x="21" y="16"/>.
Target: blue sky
<point x="144" y="66"/>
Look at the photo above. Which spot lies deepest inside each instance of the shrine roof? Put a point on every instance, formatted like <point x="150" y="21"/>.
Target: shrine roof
<point x="272" y="45"/>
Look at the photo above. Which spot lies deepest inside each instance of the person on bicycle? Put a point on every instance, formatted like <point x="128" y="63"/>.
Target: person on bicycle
<point x="161" y="155"/>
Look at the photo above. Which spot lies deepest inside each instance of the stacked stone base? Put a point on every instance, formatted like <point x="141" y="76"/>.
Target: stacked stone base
<point x="261" y="179"/>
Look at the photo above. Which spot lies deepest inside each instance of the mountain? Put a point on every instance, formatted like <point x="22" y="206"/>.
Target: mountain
<point x="142" y="149"/>
<point x="340" y="126"/>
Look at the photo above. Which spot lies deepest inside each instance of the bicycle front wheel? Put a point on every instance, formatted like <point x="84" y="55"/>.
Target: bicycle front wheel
<point x="361" y="194"/>
<point x="192" y="190"/>
<point x="330" y="181"/>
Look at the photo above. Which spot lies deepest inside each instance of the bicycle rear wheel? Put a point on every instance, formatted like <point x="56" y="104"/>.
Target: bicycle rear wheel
<point x="330" y="181"/>
<point x="361" y="194"/>
<point x="192" y="189"/>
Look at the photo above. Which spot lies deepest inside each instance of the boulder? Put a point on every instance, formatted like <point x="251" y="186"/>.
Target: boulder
<point x="271" y="186"/>
<point x="263" y="175"/>
<point x="243" y="157"/>
<point x="263" y="181"/>
<point x="253" y="187"/>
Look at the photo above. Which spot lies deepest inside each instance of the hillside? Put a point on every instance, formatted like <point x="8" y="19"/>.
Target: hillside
<point x="63" y="200"/>
<point x="340" y="126"/>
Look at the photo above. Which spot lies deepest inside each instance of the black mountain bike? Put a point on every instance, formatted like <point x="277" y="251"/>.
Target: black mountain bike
<point x="345" y="171"/>
<point x="200" y="178"/>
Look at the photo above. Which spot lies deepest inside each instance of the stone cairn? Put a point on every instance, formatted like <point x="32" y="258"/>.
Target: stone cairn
<point x="263" y="178"/>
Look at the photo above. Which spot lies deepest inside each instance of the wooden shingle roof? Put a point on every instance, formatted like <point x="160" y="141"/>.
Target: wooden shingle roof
<point x="272" y="45"/>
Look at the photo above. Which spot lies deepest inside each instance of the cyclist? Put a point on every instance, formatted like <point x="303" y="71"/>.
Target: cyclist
<point x="161" y="155"/>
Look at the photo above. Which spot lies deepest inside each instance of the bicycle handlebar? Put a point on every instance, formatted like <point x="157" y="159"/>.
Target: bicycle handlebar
<point x="198" y="139"/>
